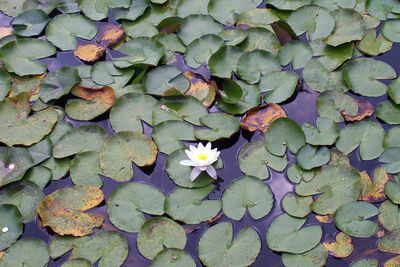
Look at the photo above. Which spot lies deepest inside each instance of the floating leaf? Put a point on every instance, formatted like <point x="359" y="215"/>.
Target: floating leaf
<point x="292" y="5"/>
<point x="158" y="233"/>
<point x="63" y="29"/>
<point x="98" y="9"/>
<point x="5" y="84"/>
<point x="392" y="138"/>
<point x="315" y="257"/>
<point x="367" y="134"/>
<point x="168" y="135"/>
<point x="389" y="215"/>
<point x="189" y="7"/>
<point x="392" y="190"/>
<point x="390" y="242"/>
<point x="30" y="23"/>
<point x="309" y="157"/>
<point x="297" y="52"/>
<point x="12" y="219"/>
<point x="88" y="137"/>
<point x="365" y="109"/>
<point x="284" y="235"/>
<point x="341" y="248"/>
<point x="120" y="149"/>
<point x="374" y="45"/>
<point x="352" y="219"/>
<point x="21" y="160"/>
<point x="77" y="263"/>
<point x="259" y="17"/>
<point x="297" y="206"/>
<point x="394" y="90"/>
<point x="260" y="118"/>
<point x="172" y="257"/>
<point x="58" y="167"/>
<point x="254" y="158"/>
<point x="224" y="10"/>
<point x="393" y="262"/>
<point x="89" y="52"/>
<point x="63" y="209"/>
<point x="390" y="29"/>
<point x="221" y="126"/>
<point x="368" y="262"/>
<point x="201" y="88"/>
<point x="325" y="133"/>
<point x="127" y="202"/>
<point x="85" y="168"/>
<point x="29" y="252"/>
<point x="361" y="76"/>
<point x="102" y="73"/>
<point x="331" y="104"/>
<point x="282" y="133"/>
<point x="38" y="175"/>
<point x="223" y="62"/>
<point x="216" y="247"/>
<point x="93" y="102"/>
<point x="195" y="26"/>
<point x="373" y="191"/>
<point x="186" y="205"/>
<point x="350" y="26"/>
<point x="200" y="50"/>
<point x="388" y="112"/>
<point x="260" y="39"/>
<point x="245" y="193"/>
<point x="21" y="56"/>
<point x="331" y="57"/>
<point x="279" y="86"/>
<point x="231" y="91"/>
<point x="251" y="65"/>
<point x="233" y="36"/>
<point x="163" y="78"/>
<point x="296" y="174"/>
<point x="336" y="184"/>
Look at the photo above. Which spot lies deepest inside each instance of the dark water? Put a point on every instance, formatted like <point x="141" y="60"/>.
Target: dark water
<point x="302" y="109"/>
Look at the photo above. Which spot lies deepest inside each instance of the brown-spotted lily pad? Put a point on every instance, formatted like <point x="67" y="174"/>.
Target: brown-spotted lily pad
<point x="341" y="248"/>
<point x="63" y="210"/>
<point x="324" y="218"/>
<point x="373" y="191"/>
<point x="259" y="118"/>
<point x="94" y="102"/>
<point x="390" y="242"/>
<point x="89" y="52"/>
<point x="201" y="88"/>
<point x="109" y="34"/>
<point x="365" y="109"/>
<point x="393" y="262"/>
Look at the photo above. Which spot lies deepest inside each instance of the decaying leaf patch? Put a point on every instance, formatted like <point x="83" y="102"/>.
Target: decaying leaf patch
<point x="201" y="88"/>
<point x="260" y="118"/>
<point x="340" y="248"/>
<point x="373" y="191"/>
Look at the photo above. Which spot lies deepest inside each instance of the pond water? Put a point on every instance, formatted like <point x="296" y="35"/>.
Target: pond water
<point x="302" y="109"/>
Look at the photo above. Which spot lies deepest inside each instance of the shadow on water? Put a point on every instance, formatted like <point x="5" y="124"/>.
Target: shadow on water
<point x="302" y="109"/>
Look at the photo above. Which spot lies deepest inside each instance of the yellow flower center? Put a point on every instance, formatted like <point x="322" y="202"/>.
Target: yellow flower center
<point x="202" y="156"/>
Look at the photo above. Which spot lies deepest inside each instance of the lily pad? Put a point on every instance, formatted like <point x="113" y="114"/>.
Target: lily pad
<point x="279" y="86"/>
<point x="373" y="191"/>
<point x="85" y="138"/>
<point x="77" y="263"/>
<point x="297" y="52"/>
<point x="164" y="78"/>
<point x="332" y="103"/>
<point x="261" y="117"/>
<point x="30" y="23"/>
<point x="58" y="167"/>
<point x="200" y="50"/>
<point x="392" y="262"/>
<point x="63" y="209"/>
<point x="127" y="202"/>
<point x="233" y="36"/>
<point x="260" y="39"/>
<point x="389" y="215"/>
<point x="282" y="133"/>
<point x="254" y="159"/>
<point x="368" y="262"/>
<point x="390" y="242"/>
<point x="201" y="88"/>
<point x="158" y="233"/>
<point x="195" y="26"/>
<point x="221" y="126"/>
<point x="361" y="76"/>
<point x="216" y="247"/>
<point x="394" y="90"/>
<point x="388" y="112"/>
<point x="38" y="175"/>
<point x="390" y="29"/>
<point x="295" y="174"/>
<point x="315" y="257"/>
<point x="249" y="193"/>
<point x="341" y="248"/>
<point x="325" y="133"/>
<point x="374" y="45"/>
<point x="309" y="157"/>
<point x="14" y="162"/>
<point x="392" y="190"/>
<point x="291" y="5"/>
<point x="332" y="57"/>
<point x="224" y="10"/>
<point x="120" y="149"/>
<point x="259" y="17"/>
<point x="297" y="206"/>
<point x="187" y="205"/>
<point x="223" y="62"/>
<point x="29" y="252"/>
<point x="85" y="169"/>
<point x="173" y="257"/>
<point x="285" y="235"/>
<point x="98" y="9"/>
<point x="12" y="219"/>
<point x="5" y="84"/>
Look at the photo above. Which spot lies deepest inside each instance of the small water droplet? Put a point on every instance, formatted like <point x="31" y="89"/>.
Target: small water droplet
<point x="348" y="186"/>
<point x="343" y="179"/>
<point x="255" y="203"/>
<point x="5" y="229"/>
<point x="174" y="258"/>
<point x="11" y="166"/>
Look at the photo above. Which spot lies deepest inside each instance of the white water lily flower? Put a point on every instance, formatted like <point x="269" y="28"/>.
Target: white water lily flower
<point x="201" y="158"/>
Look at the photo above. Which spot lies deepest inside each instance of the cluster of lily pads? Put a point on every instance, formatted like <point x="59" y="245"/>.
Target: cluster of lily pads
<point x="133" y="73"/>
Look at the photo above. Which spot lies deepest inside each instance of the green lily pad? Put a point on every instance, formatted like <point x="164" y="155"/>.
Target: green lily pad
<point x="390" y="242"/>
<point x="254" y="158"/>
<point x="224" y="10"/>
<point x="200" y="50"/>
<point x="28" y="252"/>
<point x="368" y="262"/>
<point x="233" y="36"/>
<point x="98" y="9"/>
<point x="394" y="90"/>
<point x="391" y="159"/>
<point x="25" y="195"/>
<point x="331" y="57"/>
<point x="315" y="257"/>
<point x="388" y="112"/>
<point x="59" y="130"/>
<point x="58" y="167"/>
<point x="231" y="91"/>
<point x="190" y="7"/>
<point x="221" y="126"/>
<point x="30" y="23"/>
<point x="279" y="86"/>
<point x="389" y="215"/>
<point x="260" y="39"/>
<point x="77" y="199"/>
<point x="62" y="30"/>
<point x="88" y="137"/>
<point x="295" y="174"/>
<point x="223" y="62"/>
<point x="297" y="52"/>
<point x="179" y="108"/>
<point x="163" y="78"/>
<point x="158" y="233"/>
<point x="216" y="247"/>
<point x="297" y="206"/>
<point x="120" y="149"/>
<point x="187" y="205"/>
<point x="350" y="26"/>
<point x="129" y="110"/>
<point x="5" y="83"/>
<point x="12" y="8"/>
<point x="325" y="133"/>
<point x="171" y="44"/>
<point x="282" y="133"/>
<point x="382" y="9"/>
<point x="289" y="5"/>
<point x="38" y="175"/>
<point x="390" y="30"/>
<point x="332" y="103"/>
<point x="77" y="263"/>
<point x="374" y="45"/>
<point x="309" y="157"/>
<point x="367" y="134"/>
<point x="392" y="190"/>
<point x="195" y="26"/>
<point x="85" y="168"/>
<point x="348" y="219"/>
<point x="103" y="73"/>
<point x="14" y="162"/>
<point x="259" y="17"/>
<point x="251" y="65"/>
<point x="318" y="22"/>
<point x="392" y="137"/>
<point x="22" y="56"/>
<point x="245" y="193"/>
<point x="127" y="202"/>
<point x="361" y="76"/>
<point x="336" y="184"/>
<point x="12" y="219"/>
<point x="285" y="235"/>
<point x="173" y="257"/>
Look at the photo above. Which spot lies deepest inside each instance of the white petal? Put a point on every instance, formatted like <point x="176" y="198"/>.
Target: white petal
<point x="202" y="168"/>
<point x="187" y="162"/>
<point x="208" y="146"/>
<point x="192" y="148"/>
<point x="211" y="171"/>
<point x="194" y="174"/>
<point x="200" y="146"/>
<point x="190" y="155"/>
